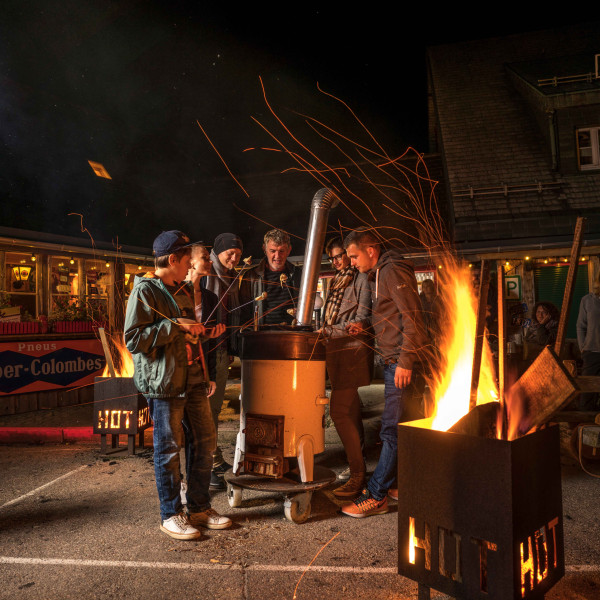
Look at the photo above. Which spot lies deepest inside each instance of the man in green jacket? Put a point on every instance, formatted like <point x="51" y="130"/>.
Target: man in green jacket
<point x="170" y="371"/>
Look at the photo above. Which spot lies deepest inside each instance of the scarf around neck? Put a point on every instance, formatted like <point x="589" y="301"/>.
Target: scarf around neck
<point x="341" y="281"/>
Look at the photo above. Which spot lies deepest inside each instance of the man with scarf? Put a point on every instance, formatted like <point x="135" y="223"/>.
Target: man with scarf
<point x="349" y="359"/>
<point x="223" y="281"/>
<point x="400" y="334"/>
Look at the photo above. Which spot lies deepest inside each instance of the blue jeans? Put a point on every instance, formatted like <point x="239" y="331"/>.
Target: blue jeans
<point x="175" y="420"/>
<point x="385" y="472"/>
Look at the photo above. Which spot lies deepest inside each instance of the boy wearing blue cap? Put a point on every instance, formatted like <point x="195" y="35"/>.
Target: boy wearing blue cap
<point x="170" y="371"/>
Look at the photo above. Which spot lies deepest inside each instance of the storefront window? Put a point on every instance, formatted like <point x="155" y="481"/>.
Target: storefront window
<point x="64" y="283"/>
<point x="20" y="269"/>
<point x="98" y="281"/>
<point x="64" y="277"/>
<point x="131" y="271"/>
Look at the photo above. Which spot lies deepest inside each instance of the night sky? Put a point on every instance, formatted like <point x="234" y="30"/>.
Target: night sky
<point x="126" y="83"/>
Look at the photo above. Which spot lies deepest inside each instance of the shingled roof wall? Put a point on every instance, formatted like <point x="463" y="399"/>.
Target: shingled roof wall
<point x="498" y="162"/>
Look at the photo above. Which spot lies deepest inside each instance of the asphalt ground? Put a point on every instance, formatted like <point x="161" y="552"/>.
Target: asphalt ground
<point x="77" y="524"/>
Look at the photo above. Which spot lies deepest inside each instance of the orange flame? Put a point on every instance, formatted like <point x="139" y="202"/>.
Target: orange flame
<point x="123" y="364"/>
<point x="452" y="387"/>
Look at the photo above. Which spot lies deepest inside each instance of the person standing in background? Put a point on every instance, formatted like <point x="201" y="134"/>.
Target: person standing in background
<point x="588" y="338"/>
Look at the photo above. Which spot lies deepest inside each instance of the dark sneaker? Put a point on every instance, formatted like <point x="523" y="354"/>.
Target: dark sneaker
<point x="221" y="468"/>
<point x="393" y="494"/>
<point x="365" y="506"/>
<point x="179" y="527"/>
<point x="216" y="481"/>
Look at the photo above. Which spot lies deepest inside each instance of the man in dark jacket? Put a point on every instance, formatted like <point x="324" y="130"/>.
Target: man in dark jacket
<point x="400" y="334"/>
<point x="164" y="340"/>
<point x="273" y="284"/>
<point x="222" y="279"/>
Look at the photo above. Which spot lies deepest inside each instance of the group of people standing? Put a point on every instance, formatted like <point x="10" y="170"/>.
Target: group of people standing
<point x="182" y="325"/>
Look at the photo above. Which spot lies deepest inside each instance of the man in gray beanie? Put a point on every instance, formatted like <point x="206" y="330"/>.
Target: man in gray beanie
<point x="223" y="281"/>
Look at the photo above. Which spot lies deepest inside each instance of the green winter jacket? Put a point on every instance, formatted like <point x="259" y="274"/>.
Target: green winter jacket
<point x="156" y="343"/>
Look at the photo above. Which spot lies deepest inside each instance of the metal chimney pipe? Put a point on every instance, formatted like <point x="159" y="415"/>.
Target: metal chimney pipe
<point x="322" y="202"/>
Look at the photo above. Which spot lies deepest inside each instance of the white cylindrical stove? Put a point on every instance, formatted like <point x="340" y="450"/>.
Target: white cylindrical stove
<point x="283" y="402"/>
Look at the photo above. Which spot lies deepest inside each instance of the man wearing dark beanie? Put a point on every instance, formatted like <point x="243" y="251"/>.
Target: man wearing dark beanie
<point x="223" y="281"/>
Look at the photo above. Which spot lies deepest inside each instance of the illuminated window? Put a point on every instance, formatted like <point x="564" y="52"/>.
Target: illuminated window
<point x="588" y="150"/>
<point x="21" y="282"/>
<point x="98" y="281"/>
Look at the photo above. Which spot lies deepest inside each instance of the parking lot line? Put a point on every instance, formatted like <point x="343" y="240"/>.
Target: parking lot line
<point x="134" y="564"/>
<point x="42" y="487"/>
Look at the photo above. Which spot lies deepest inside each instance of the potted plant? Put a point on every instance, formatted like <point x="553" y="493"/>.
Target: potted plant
<point x="11" y="319"/>
<point x="74" y="316"/>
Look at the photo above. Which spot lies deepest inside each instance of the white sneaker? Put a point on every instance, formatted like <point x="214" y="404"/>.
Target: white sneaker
<point x="210" y="519"/>
<point x="179" y="527"/>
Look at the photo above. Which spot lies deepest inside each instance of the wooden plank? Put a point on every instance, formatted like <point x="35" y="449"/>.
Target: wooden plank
<point x="7" y="405"/>
<point x="541" y="391"/>
<point x="576" y="416"/>
<point x="107" y="354"/>
<point x="569" y="287"/>
<point x="547" y="386"/>
<point x="502" y="352"/>
<point x="48" y="400"/>
<point x="588" y="383"/>
<point x="484" y="286"/>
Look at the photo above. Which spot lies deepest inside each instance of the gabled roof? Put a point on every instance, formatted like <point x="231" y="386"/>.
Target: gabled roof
<point x="501" y="185"/>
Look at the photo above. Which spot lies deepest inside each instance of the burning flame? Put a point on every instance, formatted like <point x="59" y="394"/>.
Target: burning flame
<point x="452" y="387"/>
<point x="411" y="541"/>
<point x="124" y="363"/>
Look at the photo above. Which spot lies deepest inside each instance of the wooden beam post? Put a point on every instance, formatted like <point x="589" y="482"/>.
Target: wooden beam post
<point x="484" y="286"/>
<point x="569" y="286"/>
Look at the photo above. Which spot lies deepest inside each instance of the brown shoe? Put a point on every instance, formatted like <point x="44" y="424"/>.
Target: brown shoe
<point x="353" y="487"/>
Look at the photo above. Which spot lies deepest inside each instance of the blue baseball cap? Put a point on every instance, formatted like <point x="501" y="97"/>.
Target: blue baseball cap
<point x="168" y="242"/>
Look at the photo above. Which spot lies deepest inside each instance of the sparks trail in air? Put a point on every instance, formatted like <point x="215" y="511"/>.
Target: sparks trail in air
<point x="238" y="279"/>
<point x="415" y="194"/>
<point x="222" y="160"/>
<point x="84" y="229"/>
<point x="312" y="561"/>
<point x="392" y="196"/>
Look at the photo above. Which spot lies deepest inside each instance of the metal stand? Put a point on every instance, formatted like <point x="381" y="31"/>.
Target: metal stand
<point x="297" y="493"/>
<point x="424" y="592"/>
<point x="114" y="443"/>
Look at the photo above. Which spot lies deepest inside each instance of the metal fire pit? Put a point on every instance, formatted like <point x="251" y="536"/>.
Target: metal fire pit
<point x="484" y="516"/>
<point x="119" y="409"/>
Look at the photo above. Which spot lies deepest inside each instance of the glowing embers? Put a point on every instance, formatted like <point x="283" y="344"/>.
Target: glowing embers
<point x="119" y="409"/>
<point x="479" y="517"/>
<point x="538" y="557"/>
